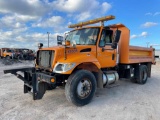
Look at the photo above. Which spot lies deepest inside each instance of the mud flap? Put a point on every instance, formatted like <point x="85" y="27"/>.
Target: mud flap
<point x="99" y="78"/>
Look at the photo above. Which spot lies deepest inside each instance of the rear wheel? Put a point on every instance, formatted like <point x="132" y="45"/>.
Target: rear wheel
<point x="80" y="87"/>
<point x="143" y="74"/>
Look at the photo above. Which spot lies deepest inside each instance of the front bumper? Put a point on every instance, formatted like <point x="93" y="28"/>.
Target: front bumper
<point x="45" y="78"/>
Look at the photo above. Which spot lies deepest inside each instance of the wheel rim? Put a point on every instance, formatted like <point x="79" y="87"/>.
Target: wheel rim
<point x="144" y="75"/>
<point x="84" y="88"/>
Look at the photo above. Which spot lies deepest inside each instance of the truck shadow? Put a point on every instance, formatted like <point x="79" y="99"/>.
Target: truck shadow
<point x="123" y="90"/>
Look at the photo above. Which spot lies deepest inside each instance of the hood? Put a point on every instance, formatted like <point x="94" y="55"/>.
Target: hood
<point x="78" y="54"/>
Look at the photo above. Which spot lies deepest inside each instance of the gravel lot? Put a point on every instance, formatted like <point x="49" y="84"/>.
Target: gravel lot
<point x="127" y="101"/>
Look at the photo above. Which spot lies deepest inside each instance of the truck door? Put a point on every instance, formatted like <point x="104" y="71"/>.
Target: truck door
<point x="105" y="54"/>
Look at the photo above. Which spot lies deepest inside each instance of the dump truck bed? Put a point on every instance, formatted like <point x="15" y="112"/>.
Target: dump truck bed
<point x="137" y="54"/>
<point x="131" y="54"/>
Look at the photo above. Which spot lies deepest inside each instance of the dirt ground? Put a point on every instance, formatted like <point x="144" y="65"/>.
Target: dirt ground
<point x="127" y="101"/>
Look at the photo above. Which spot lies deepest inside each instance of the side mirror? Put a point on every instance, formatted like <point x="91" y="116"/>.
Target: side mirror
<point x="59" y="39"/>
<point x="116" y="39"/>
<point x="40" y="45"/>
<point x="117" y="36"/>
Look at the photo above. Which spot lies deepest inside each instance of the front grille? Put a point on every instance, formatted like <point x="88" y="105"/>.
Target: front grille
<point x="45" y="58"/>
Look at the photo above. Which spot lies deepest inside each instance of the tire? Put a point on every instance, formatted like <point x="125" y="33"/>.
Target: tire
<point x="143" y="74"/>
<point x="80" y="87"/>
<point x="51" y="86"/>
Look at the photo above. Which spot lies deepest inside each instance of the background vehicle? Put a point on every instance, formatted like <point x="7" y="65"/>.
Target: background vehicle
<point x="23" y="54"/>
<point x="17" y="53"/>
<point x="91" y="57"/>
<point x="6" y="53"/>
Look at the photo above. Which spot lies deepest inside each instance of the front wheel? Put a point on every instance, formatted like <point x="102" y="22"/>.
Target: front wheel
<point x="80" y="87"/>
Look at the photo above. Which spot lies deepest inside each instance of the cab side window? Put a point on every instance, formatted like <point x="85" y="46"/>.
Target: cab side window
<point x="106" y="38"/>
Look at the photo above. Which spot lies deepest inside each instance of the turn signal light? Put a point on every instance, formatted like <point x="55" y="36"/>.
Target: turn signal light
<point x="52" y="80"/>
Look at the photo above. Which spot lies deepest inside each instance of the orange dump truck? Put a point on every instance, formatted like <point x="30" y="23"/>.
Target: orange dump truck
<point x="90" y="57"/>
<point x="6" y="52"/>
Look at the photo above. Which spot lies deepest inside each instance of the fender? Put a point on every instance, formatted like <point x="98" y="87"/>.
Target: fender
<point x="82" y="58"/>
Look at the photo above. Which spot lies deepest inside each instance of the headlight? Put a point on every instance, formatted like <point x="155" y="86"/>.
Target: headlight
<point x="63" y="67"/>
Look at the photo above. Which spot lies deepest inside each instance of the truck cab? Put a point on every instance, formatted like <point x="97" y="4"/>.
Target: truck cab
<point x="91" y="45"/>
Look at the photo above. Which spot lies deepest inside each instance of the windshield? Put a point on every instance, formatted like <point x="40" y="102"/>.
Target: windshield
<point x="10" y="51"/>
<point x="86" y="36"/>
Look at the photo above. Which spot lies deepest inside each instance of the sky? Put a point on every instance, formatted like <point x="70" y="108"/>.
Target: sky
<point x="25" y="23"/>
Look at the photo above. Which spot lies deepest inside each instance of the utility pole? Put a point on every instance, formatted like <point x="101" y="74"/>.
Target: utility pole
<point x="147" y="44"/>
<point x="48" y="38"/>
